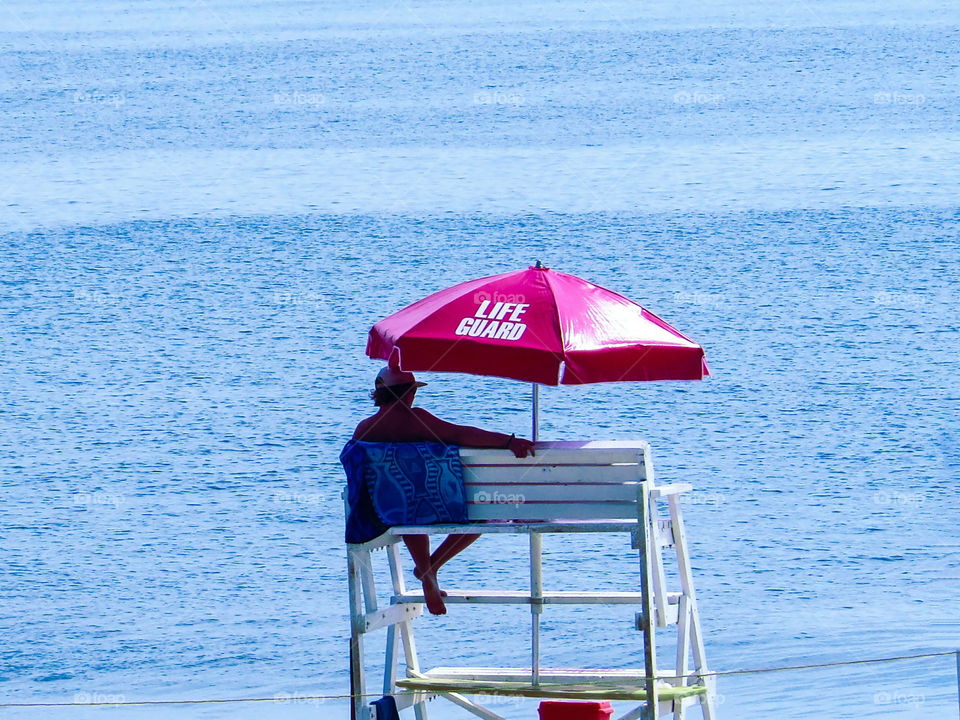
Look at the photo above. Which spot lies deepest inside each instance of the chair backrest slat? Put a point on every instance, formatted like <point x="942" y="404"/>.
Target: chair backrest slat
<point x="564" y="481"/>
<point x="537" y="512"/>
<point x="551" y="474"/>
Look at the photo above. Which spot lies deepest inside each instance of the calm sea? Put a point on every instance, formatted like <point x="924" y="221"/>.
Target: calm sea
<point x="205" y="205"/>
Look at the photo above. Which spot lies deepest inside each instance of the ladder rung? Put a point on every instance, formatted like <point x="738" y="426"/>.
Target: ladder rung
<point x="523" y="597"/>
<point x="547" y="674"/>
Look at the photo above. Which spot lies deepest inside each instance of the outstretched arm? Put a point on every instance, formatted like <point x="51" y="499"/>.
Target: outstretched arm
<point x="469" y="436"/>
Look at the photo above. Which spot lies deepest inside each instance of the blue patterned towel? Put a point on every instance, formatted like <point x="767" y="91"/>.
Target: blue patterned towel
<point x="401" y="484"/>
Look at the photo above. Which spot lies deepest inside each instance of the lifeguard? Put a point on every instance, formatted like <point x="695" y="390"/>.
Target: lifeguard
<point x="396" y="420"/>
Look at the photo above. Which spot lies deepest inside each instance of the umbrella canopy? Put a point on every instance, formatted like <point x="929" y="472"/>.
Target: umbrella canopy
<point x="539" y="326"/>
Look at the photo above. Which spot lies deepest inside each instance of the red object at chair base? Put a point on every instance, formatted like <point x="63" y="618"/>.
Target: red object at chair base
<point x="573" y="710"/>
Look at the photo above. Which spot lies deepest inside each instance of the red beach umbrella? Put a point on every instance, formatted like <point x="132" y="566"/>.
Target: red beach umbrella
<point x="536" y="325"/>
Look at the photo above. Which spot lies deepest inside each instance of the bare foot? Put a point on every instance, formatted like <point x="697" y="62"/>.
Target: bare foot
<point x="432" y="595"/>
<point x="419" y="576"/>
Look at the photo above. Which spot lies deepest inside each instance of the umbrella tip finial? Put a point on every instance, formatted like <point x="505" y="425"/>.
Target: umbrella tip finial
<point x="539" y="265"/>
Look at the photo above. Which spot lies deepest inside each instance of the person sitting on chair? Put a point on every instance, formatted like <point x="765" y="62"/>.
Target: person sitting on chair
<point x="396" y="420"/>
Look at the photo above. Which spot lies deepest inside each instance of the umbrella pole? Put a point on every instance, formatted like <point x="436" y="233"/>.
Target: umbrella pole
<point x="536" y="411"/>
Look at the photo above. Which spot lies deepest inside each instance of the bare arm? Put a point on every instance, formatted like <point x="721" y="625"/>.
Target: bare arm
<point x="469" y="436"/>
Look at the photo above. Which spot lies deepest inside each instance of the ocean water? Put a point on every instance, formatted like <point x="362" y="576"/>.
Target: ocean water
<point x="204" y="206"/>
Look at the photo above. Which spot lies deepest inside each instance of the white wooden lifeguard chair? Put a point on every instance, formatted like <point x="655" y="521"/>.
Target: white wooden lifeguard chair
<point x="568" y="487"/>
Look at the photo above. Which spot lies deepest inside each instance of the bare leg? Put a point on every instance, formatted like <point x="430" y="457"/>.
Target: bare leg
<point x="419" y="547"/>
<point x="449" y="548"/>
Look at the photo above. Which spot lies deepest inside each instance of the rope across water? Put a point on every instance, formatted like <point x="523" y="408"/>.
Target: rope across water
<point x="287" y="697"/>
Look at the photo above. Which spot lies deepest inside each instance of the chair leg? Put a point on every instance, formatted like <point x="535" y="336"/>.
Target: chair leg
<point x="405" y="627"/>
<point x="647" y="618"/>
<point x="536" y="604"/>
<point x="354" y="582"/>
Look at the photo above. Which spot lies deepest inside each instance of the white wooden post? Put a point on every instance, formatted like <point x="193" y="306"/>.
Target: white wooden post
<point x="536" y="603"/>
<point x="357" y="687"/>
<point x="390" y="666"/>
<point x="646" y="588"/>
<point x="683" y="646"/>
<point x="686" y="583"/>
<point x="406" y="627"/>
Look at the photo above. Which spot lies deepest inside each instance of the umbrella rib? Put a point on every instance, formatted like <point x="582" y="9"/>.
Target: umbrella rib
<point x="472" y="287"/>
<point x="479" y="282"/>
<point x="560" y="358"/>
<point x="558" y="327"/>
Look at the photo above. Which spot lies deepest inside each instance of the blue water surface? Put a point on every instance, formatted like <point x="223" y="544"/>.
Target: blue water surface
<point x="204" y="207"/>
